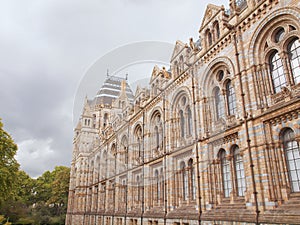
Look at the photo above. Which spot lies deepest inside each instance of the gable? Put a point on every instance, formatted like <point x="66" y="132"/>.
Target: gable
<point x="155" y="73"/>
<point x="86" y="109"/>
<point x="179" y="46"/>
<point x="210" y="12"/>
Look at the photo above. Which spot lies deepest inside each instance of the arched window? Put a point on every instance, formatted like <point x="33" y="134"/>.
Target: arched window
<point x="190" y="122"/>
<point x="138" y="188"/>
<point x="192" y="179"/>
<point x="279" y="35"/>
<point x="277" y="72"/>
<point x="226" y="173"/>
<point x="184" y="180"/>
<point x="182" y="123"/>
<point x="123" y="192"/>
<point x="231" y="100"/>
<point x="156" y="140"/>
<point x="292" y="152"/>
<point x="138" y="141"/>
<point x="294" y="57"/>
<point x="157" y="136"/>
<point x="219" y="104"/>
<point x="105" y="120"/>
<point x="139" y="147"/>
<point x="217" y="29"/>
<point x="124" y="148"/>
<point x="239" y="171"/>
<point x="157" y="185"/>
<point x="162" y="188"/>
<point x="112" y="161"/>
<point x="209" y="38"/>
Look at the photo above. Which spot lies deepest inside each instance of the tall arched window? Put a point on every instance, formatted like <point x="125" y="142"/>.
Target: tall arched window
<point x="182" y="123"/>
<point x="105" y="120"/>
<point x="139" y="146"/>
<point x="294" y="57"/>
<point x="113" y="159"/>
<point x="292" y="152"/>
<point x="277" y="72"/>
<point x="226" y="173"/>
<point x="123" y="192"/>
<point x="231" y="99"/>
<point x="219" y="104"/>
<point x="190" y="122"/>
<point x="184" y="180"/>
<point x="156" y="136"/>
<point x="239" y="171"/>
<point x="156" y="129"/>
<point x="138" y="188"/>
<point x="138" y="141"/>
<point x="192" y="179"/>
<point x="217" y="29"/>
<point x="209" y="38"/>
<point x="157" y="185"/>
<point x="162" y="183"/>
<point x="124" y="148"/>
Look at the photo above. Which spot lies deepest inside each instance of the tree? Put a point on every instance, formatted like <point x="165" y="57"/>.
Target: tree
<point x="51" y="196"/>
<point x="8" y="165"/>
<point x="60" y="189"/>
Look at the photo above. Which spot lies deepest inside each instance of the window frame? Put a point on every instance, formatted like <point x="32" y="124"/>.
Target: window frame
<point x="291" y="147"/>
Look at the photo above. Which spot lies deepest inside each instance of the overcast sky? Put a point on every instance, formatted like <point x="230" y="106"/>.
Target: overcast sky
<point x="47" y="46"/>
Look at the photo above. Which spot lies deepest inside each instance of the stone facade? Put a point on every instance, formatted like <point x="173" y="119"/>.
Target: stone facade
<point x="214" y="140"/>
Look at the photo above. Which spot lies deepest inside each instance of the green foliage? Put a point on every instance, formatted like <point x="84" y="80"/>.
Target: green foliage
<point x="30" y="201"/>
<point x="8" y="165"/>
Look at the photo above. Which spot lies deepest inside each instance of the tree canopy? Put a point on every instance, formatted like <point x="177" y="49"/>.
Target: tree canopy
<point x="8" y="164"/>
<point x="24" y="200"/>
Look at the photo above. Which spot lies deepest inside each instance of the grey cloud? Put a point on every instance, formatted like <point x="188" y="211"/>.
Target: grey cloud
<point x="46" y="48"/>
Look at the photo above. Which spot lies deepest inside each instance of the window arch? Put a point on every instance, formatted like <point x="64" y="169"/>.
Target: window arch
<point x="278" y="66"/>
<point x="226" y="173"/>
<point x="231" y="98"/>
<point x="294" y="59"/>
<point x="184" y="181"/>
<point x="218" y="104"/>
<point x="239" y="171"/>
<point x="292" y="153"/>
<point x="277" y="72"/>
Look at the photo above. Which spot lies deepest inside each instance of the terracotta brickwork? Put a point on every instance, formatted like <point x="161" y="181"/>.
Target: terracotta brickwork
<point x="214" y="140"/>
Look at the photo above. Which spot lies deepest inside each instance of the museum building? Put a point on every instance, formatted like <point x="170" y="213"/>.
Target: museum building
<point x="214" y="139"/>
